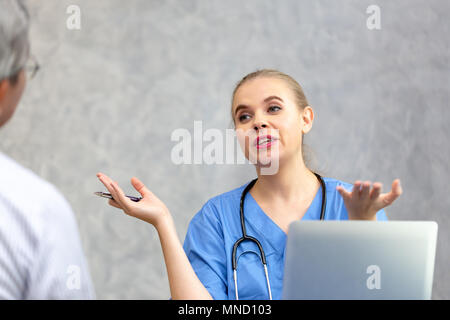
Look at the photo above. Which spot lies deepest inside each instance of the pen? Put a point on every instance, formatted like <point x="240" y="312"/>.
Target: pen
<point x="109" y="196"/>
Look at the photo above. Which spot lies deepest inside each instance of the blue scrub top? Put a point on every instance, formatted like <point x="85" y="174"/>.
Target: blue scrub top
<point x="213" y="231"/>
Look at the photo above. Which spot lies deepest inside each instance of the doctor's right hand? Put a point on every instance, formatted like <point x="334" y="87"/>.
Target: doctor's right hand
<point x="183" y="281"/>
<point x="149" y="209"/>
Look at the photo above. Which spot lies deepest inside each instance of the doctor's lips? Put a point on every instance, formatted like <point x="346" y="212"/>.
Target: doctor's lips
<point x="264" y="141"/>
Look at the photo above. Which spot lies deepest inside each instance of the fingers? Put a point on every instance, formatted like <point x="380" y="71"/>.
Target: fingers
<point x="356" y="188"/>
<point x="367" y="198"/>
<point x="362" y="190"/>
<point x="113" y="203"/>
<point x="397" y="187"/>
<point x="140" y="187"/>
<point x="344" y="193"/>
<point x="119" y="196"/>
<point x="365" y="189"/>
<point x="120" y="201"/>
<point x="395" y="192"/>
<point x="376" y="190"/>
<point x="106" y="181"/>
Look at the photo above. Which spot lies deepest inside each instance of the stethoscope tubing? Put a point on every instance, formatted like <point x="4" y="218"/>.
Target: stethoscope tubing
<point x="246" y="237"/>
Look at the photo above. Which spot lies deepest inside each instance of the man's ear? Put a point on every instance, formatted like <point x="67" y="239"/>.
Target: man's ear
<point x="4" y="86"/>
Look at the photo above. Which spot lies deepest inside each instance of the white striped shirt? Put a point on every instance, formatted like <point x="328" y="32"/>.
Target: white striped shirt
<point x="41" y="256"/>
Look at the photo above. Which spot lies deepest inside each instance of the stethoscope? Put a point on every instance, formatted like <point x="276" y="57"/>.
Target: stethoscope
<point x="250" y="238"/>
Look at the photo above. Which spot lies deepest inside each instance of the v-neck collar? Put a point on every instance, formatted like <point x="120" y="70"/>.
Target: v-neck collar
<point x="273" y="234"/>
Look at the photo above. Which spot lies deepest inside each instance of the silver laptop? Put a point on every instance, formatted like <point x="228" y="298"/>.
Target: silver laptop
<point x="360" y="260"/>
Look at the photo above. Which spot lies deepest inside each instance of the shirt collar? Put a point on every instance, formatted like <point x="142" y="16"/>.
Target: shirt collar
<point x="268" y="231"/>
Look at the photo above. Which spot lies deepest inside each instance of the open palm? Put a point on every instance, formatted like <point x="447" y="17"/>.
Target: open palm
<point x="150" y="208"/>
<point x="363" y="202"/>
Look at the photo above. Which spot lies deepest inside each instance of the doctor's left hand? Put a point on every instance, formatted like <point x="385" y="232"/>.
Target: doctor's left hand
<point x="363" y="203"/>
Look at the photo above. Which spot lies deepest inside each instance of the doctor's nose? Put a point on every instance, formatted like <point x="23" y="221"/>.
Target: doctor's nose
<point x="258" y="125"/>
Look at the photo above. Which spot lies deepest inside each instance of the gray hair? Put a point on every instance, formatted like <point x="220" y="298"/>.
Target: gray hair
<point x="14" y="45"/>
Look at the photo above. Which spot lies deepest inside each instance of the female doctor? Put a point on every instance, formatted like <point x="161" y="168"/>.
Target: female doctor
<point x="272" y="109"/>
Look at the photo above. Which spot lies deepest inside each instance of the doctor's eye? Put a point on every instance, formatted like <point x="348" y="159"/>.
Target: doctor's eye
<point x="243" y="115"/>
<point x="274" y="107"/>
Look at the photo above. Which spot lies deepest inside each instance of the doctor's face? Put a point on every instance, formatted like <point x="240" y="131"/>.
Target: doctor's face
<point x="267" y="106"/>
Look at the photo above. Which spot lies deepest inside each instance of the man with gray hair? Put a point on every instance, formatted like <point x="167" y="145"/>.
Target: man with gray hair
<point x="41" y="256"/>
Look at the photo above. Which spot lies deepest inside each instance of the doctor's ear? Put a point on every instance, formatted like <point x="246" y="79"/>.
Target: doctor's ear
<point x="308" y="119"/>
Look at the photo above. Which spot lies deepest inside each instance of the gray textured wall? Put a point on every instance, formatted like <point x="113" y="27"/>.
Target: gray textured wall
<point x="109" y="96"/>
